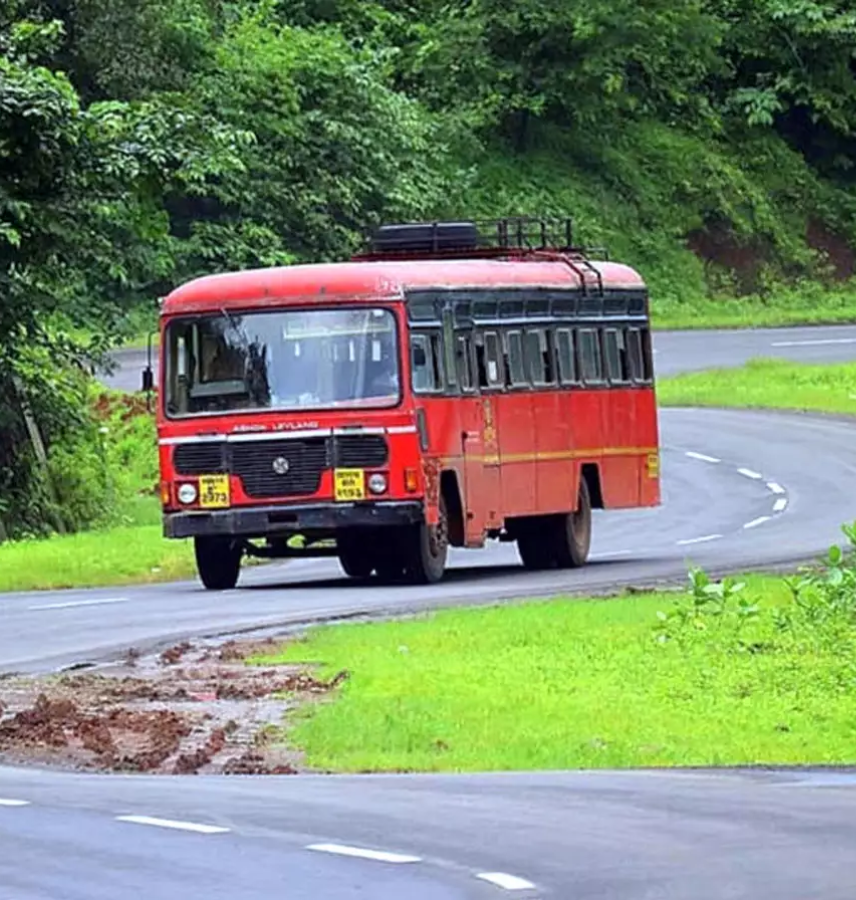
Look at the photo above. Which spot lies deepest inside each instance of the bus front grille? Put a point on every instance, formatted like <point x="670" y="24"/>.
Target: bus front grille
<point x="202" y="458"/>
<point x="280" y="468"/>
<point x="360" y="451"/>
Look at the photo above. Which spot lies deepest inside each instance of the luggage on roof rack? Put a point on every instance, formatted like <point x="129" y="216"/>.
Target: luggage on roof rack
<point x="520" y="233"/>
<point x="523" y="237"/>
<point x="426" y="237"/>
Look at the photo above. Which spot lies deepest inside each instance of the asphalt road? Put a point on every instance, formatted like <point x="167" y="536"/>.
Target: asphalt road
<point x="740" y="489"/>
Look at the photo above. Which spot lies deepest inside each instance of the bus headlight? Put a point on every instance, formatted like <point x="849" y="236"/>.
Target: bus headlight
<point x="377" y="483"/>
<point x="187" y="494"/>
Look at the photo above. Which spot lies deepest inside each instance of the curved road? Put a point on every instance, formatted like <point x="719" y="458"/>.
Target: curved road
<point x="740" y="489"/>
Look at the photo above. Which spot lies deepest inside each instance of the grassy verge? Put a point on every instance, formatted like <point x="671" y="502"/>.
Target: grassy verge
<point x="753" y="312"/>
<point x="766" y="383"/>
<point x="739" y="678"/>
<point x="120" y="555"/>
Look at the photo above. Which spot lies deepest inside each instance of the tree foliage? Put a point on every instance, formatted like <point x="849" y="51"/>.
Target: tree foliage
<point x="143" y="142"/>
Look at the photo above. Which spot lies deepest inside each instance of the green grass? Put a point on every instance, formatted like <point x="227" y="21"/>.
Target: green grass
<point x="809" y="308"/>
<point x="766" y="383"/>
<point x="569" y="684"/>
<point x="121" y="555"/>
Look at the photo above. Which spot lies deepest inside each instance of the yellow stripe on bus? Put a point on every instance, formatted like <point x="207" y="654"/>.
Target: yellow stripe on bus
<point x="555" y="455"/>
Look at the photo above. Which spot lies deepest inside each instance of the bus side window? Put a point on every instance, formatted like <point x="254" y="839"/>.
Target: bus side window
<point x="539" y="359"/>
<point x="424" y="364"/>
<point x="647" y="356"/>
<point x="636" y="356"/>
<point x="615" y="350"/>
<point x="436" y="341"/>
<point x="515" y="368"/>
<point x="566" y="356"/>
<point x="464" y="362"/>
<point x="493" y="359"/>
<point x="481" y="359"/>
<point x="591" y="368"/>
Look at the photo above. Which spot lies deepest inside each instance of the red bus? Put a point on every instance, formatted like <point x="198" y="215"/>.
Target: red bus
<point x="453" y="384"/>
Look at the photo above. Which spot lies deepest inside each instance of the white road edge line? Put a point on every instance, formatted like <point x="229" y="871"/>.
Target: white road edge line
<point x="504" y="880"/>
<point x="700" y="540"/>
<point x="702" y="456"/>
<point x="814" y="343"/>
<point x="775" y="488"/>
<point x="756" y="522"/>
<point x="362" y="853"/>
<point x="749" y="473"/>
<point x="610" y="553"/>
<point x="780" y="505"/>
<point x="71" y="604"/>
<point x="172" y="823"/>
<point x="6" y="802"/>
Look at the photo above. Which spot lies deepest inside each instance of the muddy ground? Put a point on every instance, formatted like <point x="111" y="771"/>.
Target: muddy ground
<point x="192" y="709"/>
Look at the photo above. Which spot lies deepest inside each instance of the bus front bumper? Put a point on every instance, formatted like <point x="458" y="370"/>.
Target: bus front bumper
<point x="262" y="521"/>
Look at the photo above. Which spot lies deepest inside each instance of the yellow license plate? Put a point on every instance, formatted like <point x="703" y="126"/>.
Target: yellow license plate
<point x="653" y="465"/>
<point x="350" y="484"/>
<point x="214" y="492"/>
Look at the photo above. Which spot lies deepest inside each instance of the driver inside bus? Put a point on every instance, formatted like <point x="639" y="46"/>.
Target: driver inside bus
<point x="382" y="378"/>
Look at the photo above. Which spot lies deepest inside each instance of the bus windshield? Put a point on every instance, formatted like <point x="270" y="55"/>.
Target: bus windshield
<point x="281" y="360"/>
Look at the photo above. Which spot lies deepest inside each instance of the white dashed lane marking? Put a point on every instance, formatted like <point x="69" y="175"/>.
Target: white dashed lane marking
<point x="780" y="505"/>
<point x="6" y="802"/>
<point x="815" y="343"/>
<point x="750" y="473"/>
<point x="700" y="540"/>
<point x="702" y="456"/>
<point x="775" y="488"/>
<point x="506" y="881"/>
<point x="362" y="853"/>
<point x="174" y="824"/>
<point x="756" y="522"/>
<point x="72" y="604"/>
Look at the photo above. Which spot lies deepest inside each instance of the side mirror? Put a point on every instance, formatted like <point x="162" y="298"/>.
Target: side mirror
<point x="148" y="380"/>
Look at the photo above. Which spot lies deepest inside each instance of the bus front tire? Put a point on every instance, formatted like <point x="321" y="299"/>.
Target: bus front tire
<point x="428" y="550"/>
<point x="355" y="558"/>
<point x="218" y="561"/>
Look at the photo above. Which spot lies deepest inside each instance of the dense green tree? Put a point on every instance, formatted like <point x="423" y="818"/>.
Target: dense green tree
<point x="334" y="149"/>
<point x="143" y="142"/>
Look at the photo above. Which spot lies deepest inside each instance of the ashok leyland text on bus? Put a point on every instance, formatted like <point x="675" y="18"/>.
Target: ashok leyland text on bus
<point x="453" y="384"/>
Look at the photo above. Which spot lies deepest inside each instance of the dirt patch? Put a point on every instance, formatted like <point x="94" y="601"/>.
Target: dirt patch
<point x="835" y="247"/>
<point x="189" y="710"/>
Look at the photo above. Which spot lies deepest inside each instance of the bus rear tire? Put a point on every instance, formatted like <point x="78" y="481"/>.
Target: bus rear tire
<point x="571" y="534"/>
<point x="558" y="542"/>
<point x="218" y="561"/>
<point x="428" y="550"/>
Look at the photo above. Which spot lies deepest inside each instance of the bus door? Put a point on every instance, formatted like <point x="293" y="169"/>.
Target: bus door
<point x="480" y="445"/>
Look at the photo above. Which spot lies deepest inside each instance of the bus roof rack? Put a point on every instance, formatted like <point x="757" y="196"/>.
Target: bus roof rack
<point x="517" y="237"/>
<point x="518" y="233"/>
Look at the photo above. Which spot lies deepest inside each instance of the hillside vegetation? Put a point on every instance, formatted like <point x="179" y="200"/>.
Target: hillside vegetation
<point x="143" y="142"/>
